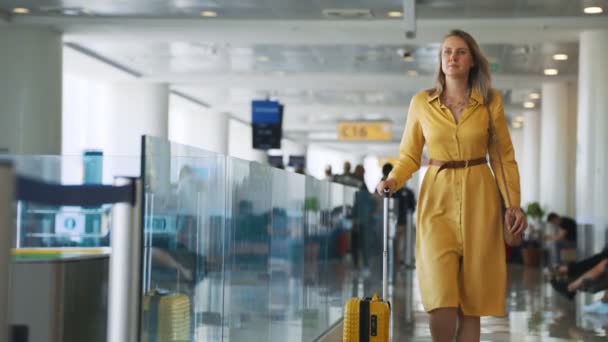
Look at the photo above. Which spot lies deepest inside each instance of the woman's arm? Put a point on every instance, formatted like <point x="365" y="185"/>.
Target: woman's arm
<point x="507" y="153"/>
<point x="410" y="149"/>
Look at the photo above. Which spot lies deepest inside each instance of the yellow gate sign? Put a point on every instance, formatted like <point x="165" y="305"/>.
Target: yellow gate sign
<point x="364" y="130"/>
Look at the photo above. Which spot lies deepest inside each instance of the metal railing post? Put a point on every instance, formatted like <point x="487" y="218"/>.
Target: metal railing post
<point x="409" y="237"/>
<point x="125" y="268"/>
<point x="7" y="202"/>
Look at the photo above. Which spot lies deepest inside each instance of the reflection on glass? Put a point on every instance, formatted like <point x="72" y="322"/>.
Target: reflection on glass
<point x="240" y="250"/>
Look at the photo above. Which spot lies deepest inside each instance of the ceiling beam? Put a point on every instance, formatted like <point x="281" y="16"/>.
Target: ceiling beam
<point x="80" y="60"/>
<point x="333" y="81"/>
<point x="322" y="112"/>
<point x="316" y="32"/>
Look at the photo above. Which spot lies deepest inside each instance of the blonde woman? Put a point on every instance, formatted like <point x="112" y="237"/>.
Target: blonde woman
<point x="460" y="251"/>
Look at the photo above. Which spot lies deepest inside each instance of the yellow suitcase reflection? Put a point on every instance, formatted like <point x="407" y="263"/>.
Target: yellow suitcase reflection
<point x="366" y="320"/>
<point x="166" y="317"/>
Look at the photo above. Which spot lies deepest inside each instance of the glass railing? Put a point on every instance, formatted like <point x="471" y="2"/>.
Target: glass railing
<point x="248" y="251"/>
<point x="232" y="250"/>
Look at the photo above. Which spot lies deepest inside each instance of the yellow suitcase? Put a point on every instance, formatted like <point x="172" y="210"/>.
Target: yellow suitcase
<point x="166" y="317"/>
<point x="368" y="320"/>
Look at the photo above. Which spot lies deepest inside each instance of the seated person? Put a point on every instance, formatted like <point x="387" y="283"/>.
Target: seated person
<point x="564" y="238"/>
<point x="576" y="269"/>
<point x="579" y="272"/>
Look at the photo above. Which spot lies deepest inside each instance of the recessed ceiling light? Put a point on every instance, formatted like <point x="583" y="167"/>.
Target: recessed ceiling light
<point x="551" y="72"/>
<point x="21" y="10"/>
<point x="534" y="96"/>
<point x="529" y="104"/>
<point x="209" y="14"/>
<point x="412" y="73"/>
<point x="373" y="116"/>
<point x="394" y="14"/>
<point x="71" y="11"/>
<point x="517" y="124"/>
<point x="263" y="59"/>
<point x="560" y="57"/>
<point x="593" y="10"/>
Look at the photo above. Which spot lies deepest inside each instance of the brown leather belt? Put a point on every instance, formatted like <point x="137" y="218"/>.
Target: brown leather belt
<point x="456" y="164"/>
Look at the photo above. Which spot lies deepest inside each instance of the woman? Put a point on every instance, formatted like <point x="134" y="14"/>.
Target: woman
<point x="460" y="252"/>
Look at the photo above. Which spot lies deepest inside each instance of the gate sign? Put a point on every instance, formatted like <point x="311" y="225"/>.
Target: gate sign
<point x="364" y="130"/>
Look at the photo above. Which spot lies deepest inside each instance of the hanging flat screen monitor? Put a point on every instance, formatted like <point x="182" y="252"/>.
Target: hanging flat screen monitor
<point x="266" y="123"/>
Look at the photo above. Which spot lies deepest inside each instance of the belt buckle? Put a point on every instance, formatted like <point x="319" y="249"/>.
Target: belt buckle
<point x="466" y="164"/>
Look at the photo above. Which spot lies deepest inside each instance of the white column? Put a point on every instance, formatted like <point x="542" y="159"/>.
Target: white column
<point x="113" y="116"/>
<point x="136" y="109"/>
<point x="529" y="160"/>
<point x="572" y="146"/>
<point x="555" y="139"/>
<point x="192" y="124"/>
<point x="30" y="91"/>
<point x="517" y="138"/>
<point x="592" y="156"/>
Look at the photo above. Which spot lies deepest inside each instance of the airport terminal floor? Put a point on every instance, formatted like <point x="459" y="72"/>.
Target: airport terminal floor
<point x="535" y="313"/>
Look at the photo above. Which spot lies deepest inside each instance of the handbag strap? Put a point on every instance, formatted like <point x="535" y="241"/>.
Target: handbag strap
<point x="494" y="138"/>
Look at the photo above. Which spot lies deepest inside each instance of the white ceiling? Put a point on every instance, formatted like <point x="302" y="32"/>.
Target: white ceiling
<point x="302" y="10"/>
<point x="322" y="69"/>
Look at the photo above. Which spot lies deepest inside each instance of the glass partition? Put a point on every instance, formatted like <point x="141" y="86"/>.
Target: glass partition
<point x="251" y="252"/>
<point x="184" y="241"/>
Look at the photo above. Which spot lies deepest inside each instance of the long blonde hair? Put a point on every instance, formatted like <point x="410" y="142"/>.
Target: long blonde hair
<point x="479" y="75"/>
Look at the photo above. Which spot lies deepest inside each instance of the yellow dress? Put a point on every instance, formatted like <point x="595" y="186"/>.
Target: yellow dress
<point x="460" y="251"/>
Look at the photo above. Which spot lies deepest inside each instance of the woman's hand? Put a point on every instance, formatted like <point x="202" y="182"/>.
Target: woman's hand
<point x="389" y="184"/>
<point x="519" y="222"/>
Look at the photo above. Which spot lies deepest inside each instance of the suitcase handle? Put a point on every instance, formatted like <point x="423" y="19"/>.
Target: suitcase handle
<point x="386" y="194"/>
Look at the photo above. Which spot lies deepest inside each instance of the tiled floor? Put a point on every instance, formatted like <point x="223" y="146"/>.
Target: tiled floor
<point x="535" y="312"/>
<point x="279" y="308"/>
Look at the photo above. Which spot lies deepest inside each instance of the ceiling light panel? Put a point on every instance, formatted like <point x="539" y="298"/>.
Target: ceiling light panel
<point x="560" y="57"/>
<point x="21" y="10"/>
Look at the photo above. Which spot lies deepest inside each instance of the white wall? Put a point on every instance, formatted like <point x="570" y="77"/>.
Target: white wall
<point x="194" y="125"/>
<point x="318" y="157"/>
<point x="240" y="143"/>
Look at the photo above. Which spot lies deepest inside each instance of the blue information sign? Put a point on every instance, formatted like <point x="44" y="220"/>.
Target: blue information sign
<point x="266" y="123"/>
